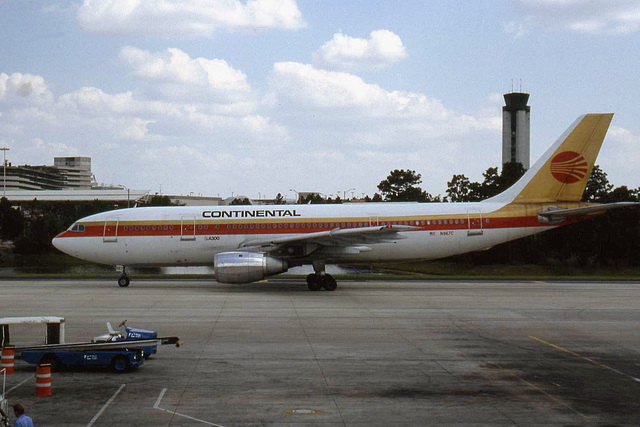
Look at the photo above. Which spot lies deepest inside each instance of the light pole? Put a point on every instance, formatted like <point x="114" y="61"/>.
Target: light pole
<point x="4" y="173"/>
<point x="297" y="194"/>
<point x="344" y="193"/>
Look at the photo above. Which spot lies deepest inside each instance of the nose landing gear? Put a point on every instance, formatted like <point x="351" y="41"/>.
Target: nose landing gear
<point x="123" y="280"/>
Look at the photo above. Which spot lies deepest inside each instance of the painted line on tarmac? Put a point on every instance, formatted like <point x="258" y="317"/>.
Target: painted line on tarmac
<point x="157" y="406"/>
<point x="17" y="385"/>
<point x="595" y="362"/>
<point x="105" y="406"/>
<point x="550" y="396"/>
<point x="555" y="399"/>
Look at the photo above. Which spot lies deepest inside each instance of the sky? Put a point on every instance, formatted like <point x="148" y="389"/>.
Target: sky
<point x="259" y="97"/>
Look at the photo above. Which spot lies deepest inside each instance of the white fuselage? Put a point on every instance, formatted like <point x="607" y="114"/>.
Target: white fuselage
<point x="158" y="236"/>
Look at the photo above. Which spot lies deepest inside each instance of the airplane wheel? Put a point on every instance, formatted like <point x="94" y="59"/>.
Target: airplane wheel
<point x="330" y="283"/>
<point x="313" y="282"/>
<point x="124" y="281"/>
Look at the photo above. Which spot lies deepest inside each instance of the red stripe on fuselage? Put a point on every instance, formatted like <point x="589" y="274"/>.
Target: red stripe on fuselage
<point x="159" y="228"/>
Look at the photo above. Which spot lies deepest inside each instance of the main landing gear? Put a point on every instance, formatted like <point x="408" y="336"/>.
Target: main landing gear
<point x="317" y="282"/>
<point x="320" y="279"/>
<point x="123" y="280"/>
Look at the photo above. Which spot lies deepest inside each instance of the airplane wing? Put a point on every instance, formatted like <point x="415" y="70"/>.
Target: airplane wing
<point x="553" y="213"/>
<point x="352" y="240"/>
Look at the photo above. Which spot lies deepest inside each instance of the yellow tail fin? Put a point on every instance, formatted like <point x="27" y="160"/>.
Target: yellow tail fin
<point x="562" y="172"/>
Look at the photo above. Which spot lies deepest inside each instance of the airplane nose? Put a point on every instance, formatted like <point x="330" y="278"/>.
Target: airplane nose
<point x="59" y="243"/>
<point x="56" y="242"/>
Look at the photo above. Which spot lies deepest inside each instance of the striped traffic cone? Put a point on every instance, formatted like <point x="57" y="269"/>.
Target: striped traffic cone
<point x="43" y="380"/>
<point x="7" y="362"/>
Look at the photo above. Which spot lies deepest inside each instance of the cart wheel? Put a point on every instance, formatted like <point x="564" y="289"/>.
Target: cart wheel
<point x="120" y="364"/>
<point x="52" y="360"/>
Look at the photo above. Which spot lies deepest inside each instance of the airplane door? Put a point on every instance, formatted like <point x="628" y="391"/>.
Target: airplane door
<point x="474" y="219"/>
<point x="373" y="220"/>
<point x="187" y="228"/>
<point x="110" y="231"/>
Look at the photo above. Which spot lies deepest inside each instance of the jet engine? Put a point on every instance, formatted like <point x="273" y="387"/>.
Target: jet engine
<point x="246" y="267"/>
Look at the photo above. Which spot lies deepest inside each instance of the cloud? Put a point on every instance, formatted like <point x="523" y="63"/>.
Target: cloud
<point x="620" y="157"/>
<point x="517" y="29"/>
<point x="178" y="76"/>
<point x="311" y="129"/>
<point x="600" y="17"/>
<point x="194" y="18"/>
<point x="340" y="94"/>
<point x="26" y="86"/>
<point x="343" y="52"/>
<point x="378" y="130"/>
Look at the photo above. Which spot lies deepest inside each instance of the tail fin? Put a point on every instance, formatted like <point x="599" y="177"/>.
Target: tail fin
<point x="562" y="172"/>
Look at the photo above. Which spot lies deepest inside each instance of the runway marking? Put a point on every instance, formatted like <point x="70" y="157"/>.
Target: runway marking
<point x="595" y="362"/>
<point x="105" y="406"/>
<point x="550" y="396"/>
<point x="555" y="399"/>
<point x="157" y="406"/>
<point x="303" y="411"/>
<point x="17" y="385"/>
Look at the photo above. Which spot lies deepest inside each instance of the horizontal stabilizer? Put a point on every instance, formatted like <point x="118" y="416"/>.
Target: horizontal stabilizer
<point x="553" y="213"/>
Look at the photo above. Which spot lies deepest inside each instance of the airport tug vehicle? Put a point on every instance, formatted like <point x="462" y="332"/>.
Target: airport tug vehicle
<point x="121" y="351"/>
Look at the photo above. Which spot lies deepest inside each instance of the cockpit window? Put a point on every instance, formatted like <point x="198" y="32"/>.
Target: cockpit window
<point x="78" y="228"/>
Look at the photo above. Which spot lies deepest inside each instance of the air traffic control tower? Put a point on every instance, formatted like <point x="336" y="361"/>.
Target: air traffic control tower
<point x="515" y="129"/>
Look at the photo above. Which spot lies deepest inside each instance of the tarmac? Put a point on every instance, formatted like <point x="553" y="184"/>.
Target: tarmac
<point x="376" y="353"/>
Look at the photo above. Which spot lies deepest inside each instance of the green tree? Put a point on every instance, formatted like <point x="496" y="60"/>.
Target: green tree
<point x="158" y="200"/>
<point x="240" y="201"/>
<point x="622" y="194"/>
<point x="11" y="220"/>
<point x="511" y="172"/>
<point x="279" y="200"/>
<point x="459" y="188"/>
<point x="402" y="186"/>
<point x="598" y="186"/>
<point x="37" y="235"/>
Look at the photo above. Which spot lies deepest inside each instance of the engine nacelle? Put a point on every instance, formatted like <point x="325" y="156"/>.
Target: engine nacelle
<point x="245" y="267"/>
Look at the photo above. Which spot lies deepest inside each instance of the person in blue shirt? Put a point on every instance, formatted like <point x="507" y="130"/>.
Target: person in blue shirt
<point x="22" y="420"/>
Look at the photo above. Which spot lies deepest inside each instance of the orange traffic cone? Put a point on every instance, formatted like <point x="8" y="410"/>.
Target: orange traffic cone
<point x="7" y="361"/>
<point x="43" y="380"/>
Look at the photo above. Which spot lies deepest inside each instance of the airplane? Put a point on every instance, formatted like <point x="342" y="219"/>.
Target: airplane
<point x="249" y="243"/>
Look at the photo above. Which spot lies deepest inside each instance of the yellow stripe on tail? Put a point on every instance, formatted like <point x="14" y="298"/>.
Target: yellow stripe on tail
<point x="561" y="174"/>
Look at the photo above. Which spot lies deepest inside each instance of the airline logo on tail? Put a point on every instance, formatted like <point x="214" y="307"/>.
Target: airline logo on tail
<point x="569" y="167"/>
